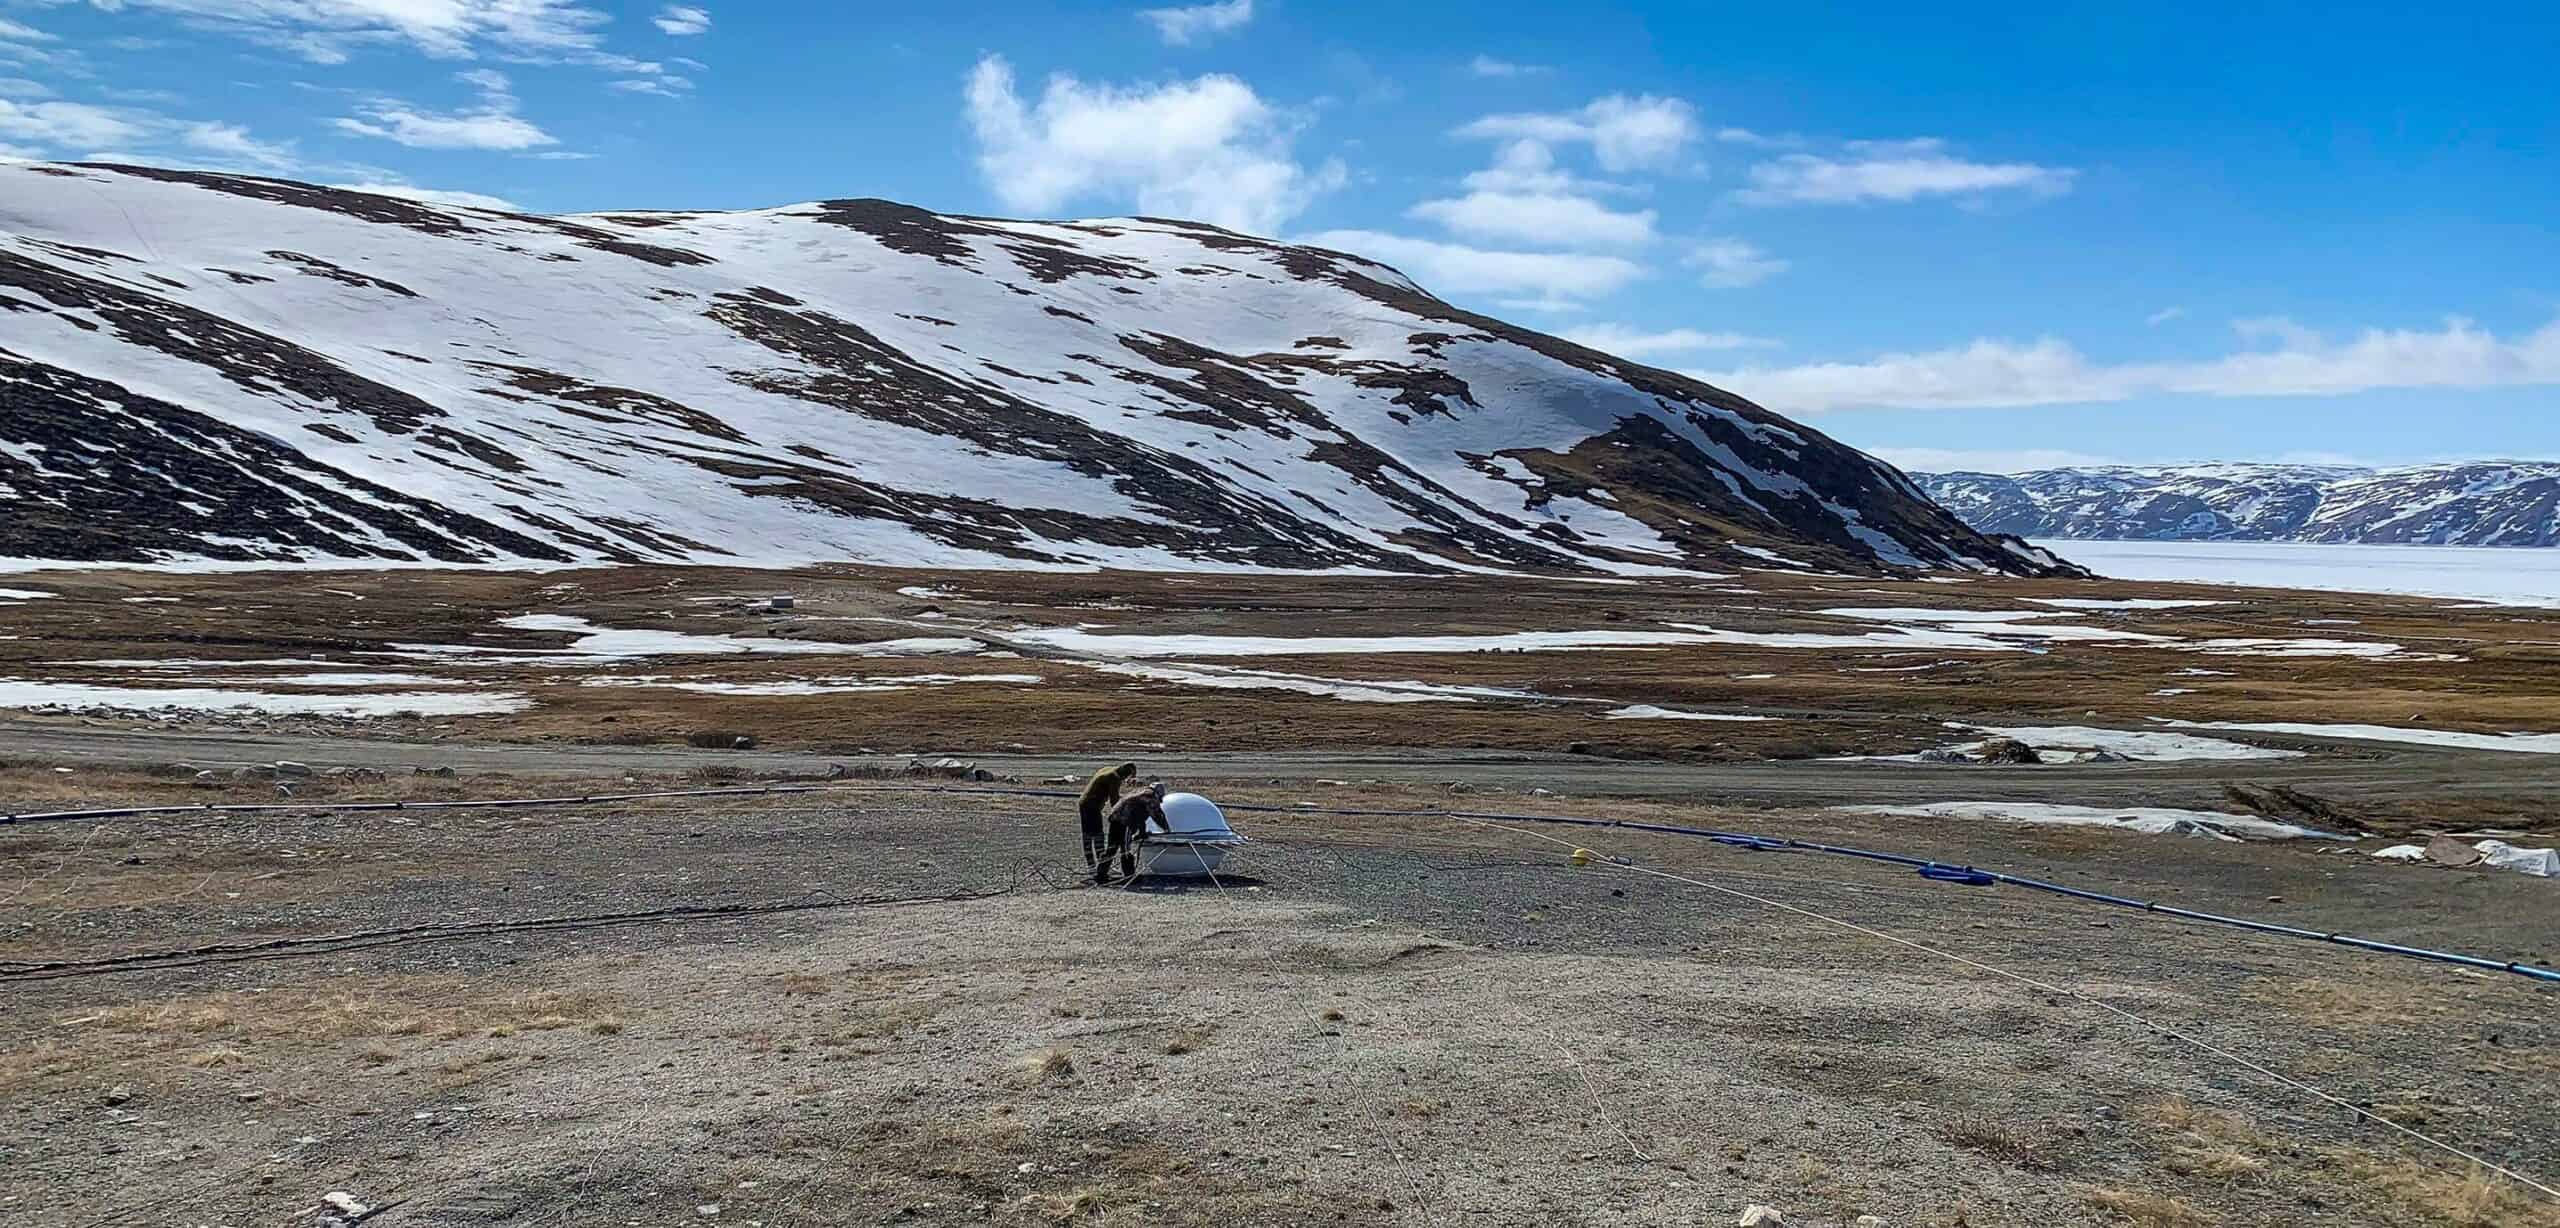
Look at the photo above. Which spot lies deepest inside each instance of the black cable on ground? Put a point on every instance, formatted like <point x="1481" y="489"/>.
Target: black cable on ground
<point x="328" y="944"/>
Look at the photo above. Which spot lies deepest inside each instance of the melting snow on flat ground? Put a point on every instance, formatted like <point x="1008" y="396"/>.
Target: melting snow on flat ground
<point x="1230" y="679"/>
<point x="2126" y="603"/>
<point x="2261" y="647"/>
<point x="616" y="644"/>
<point x="16" y="693"/>
<point x="812" y="686"/>
<point x="1140" y="645"/>
<point x="2149" y="820"/>
<point x="2499" y="576"/>
<point x="2136" y="744"/>
<point x="2520" y="743"/>
<point x="1913" y="614"/>
<point x="22" y="594"/>
<point x="2013" y="624"/>
<point x="1648" y="712"/>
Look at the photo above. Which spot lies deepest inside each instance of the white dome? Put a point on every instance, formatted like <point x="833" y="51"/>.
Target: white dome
<point x="1191" y="816"/>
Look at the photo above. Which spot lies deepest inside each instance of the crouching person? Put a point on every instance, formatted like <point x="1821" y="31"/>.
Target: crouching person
<point x="1127" y="824"/>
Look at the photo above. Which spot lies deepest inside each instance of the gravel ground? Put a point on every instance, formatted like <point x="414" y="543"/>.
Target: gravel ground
<point x="1371" y="1021"/>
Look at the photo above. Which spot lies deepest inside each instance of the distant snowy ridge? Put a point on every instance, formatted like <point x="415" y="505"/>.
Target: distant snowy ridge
<point x="202" y="369"/>
<point x="2478" y="503"/>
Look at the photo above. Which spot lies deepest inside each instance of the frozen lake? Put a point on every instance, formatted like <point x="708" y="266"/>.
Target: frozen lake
<point x="2512" y="576"/>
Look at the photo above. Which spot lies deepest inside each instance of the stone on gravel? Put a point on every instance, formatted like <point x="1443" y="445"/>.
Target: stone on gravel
<point x="291" y="770"/>
<point x="253" y="772"/>
<point x="208" y="779"/>
<point x="744" y="741"/>
<point x="1940" y="754"/>
<point x="121" y="1093"/>
<point x="1762" y="1215"/>
<point x="1868" y="1221"/>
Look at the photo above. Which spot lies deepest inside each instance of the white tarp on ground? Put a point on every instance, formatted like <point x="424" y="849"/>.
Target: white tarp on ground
<point x="2496" y="854"/>
<point x="2500" y="855"/>
<point x="2149" y="820"/>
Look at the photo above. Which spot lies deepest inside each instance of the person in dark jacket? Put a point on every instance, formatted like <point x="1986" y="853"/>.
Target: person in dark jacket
<point x="1100" y="793"/>
<point x="1126" y="823"/>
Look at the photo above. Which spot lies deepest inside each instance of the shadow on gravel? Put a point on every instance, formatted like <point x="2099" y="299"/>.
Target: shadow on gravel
<point x="1185" y="884"/>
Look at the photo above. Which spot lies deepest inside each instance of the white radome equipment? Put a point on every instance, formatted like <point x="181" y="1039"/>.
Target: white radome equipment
<point x="1196" y="838"/>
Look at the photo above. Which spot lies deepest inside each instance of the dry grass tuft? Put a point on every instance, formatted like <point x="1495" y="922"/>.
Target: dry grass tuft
<point x="2000" y="1139"/>
<point x="1049" y="1063"/>
<point x="2144" y="1208"/>
<point x="2206" y="1142"/>
<point x="808" y="983"/>
<point x="1188" y="1040"/>
<point x="2474" y="1199"/>
<point x="215" y="1030"/>
<point x="2365" y="1005"/>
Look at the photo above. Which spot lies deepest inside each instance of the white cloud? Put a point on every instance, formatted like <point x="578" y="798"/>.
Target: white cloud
<point x="59" y="125"/>
<point x="1554" y="306"/>
<point x="432" y="130"/>
<point x="20" y="87"/>
<point x="2163" y="316"/>
<point x="20" y="32"/>
<point x="1530" y="167"/>
<point x="1626" y="342"/>
<point x="234" y="142"/>
<point x="324" y="31"/>
<point x="1758" y="140"/>
<point x="1985" y="374"/>
<point x="1207" y="149"/>
<point x="1731" y="264"/>
<point x="1450" y="268"/>
<point x="663" y="87"/>
<point x="433" y="196"/>
<point x="1487" y="66"/>
<point x="1189" y="24"/>
<point x="1991" y="373"/>
<point x="1538" y="218"/>
<point x="2459" y="355"/>
<point x="1894" y="171"/>
<point x="682" y="20"/>
<point x="493" y="124"/>
<point x="1625" y="133"/>
<point x="2279" y="329"/>
<point x="133" y="135"/>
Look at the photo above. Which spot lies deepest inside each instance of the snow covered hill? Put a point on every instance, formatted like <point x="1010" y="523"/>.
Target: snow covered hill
<point x="2485" y="503"/>
<point x="213" y="367"/>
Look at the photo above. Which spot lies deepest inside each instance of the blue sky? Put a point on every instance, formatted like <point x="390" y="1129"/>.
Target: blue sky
<point x="2052" y="234"/>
